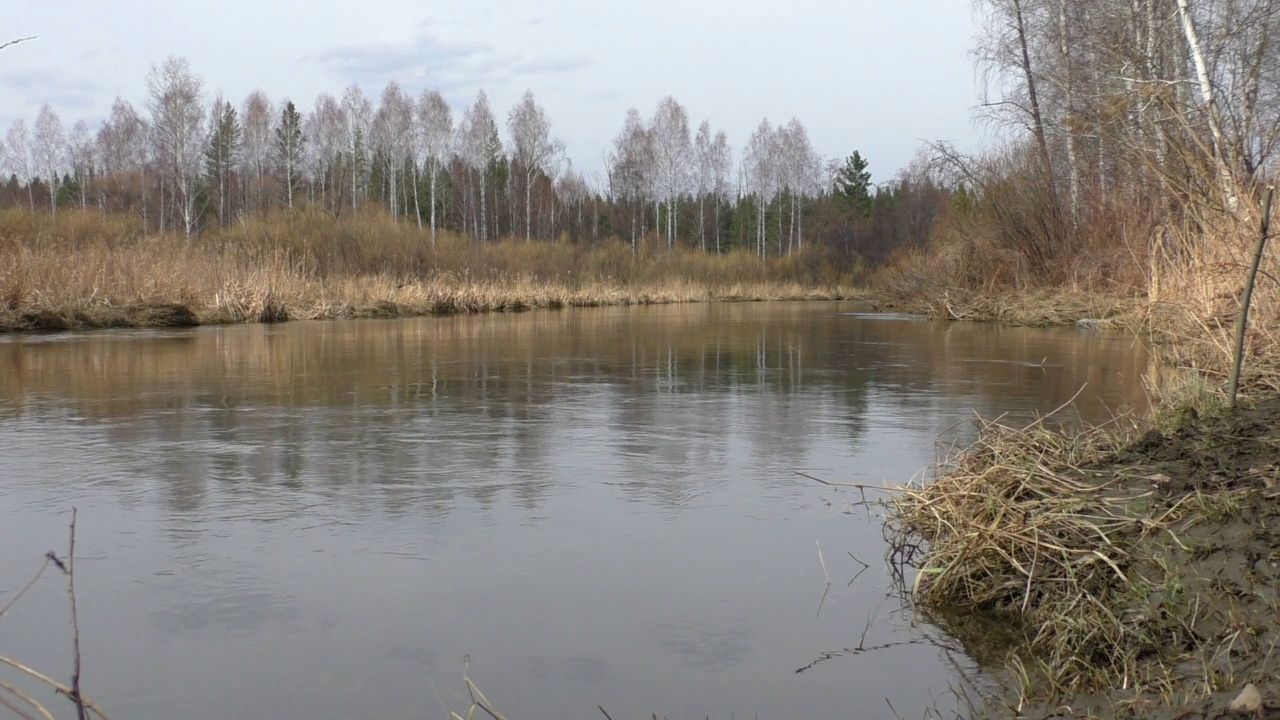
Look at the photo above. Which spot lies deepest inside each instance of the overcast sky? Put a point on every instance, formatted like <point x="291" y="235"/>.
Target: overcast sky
<point x="872" y="75"/>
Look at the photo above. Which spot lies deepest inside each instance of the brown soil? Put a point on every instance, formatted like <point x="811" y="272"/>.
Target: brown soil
<point x="1199" y="605"/>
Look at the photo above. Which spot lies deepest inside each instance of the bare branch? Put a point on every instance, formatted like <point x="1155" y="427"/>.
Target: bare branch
<point x="15" y="42"/>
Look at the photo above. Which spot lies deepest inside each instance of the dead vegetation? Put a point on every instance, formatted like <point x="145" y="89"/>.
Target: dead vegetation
<point x="1126" y="576"/>
<point x="81" y="270"/>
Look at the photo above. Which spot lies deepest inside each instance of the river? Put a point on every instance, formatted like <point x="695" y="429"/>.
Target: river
<point x="581" y="508"/>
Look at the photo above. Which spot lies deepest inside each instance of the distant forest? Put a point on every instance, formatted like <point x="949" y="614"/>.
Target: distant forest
<point x="188" y="163"/>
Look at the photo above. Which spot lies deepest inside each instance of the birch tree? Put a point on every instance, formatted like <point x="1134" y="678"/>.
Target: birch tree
<point x="798" y="168"/>
<point x="49" y="151"/>
<point x="177" y="130"/>
<point x="122" y="144"/>
<point x="571" y="188"/>
<point x="435" y="119"/>
<point x="481" y="148"/>
<point x="721" y="175"/>
<point x="672" y="149"/>
<point x="82" y="156"/>
<point x="325" y="128"/>
<point x="704" y="170"/>
<point x="759" y="165"/>
<point x="392" y="133"/>
<point x="19" y="157"/>
<point x="357" y="111"/>
<point x="533" y="149"/>
<point x="258" y="114"/>
<point x="630" y="170"/>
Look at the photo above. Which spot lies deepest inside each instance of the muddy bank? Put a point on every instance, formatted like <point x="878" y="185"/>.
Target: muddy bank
<point x="1104" y="578"/>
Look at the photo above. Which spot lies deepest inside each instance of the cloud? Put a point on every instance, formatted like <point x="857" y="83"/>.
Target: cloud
<point x="430" y="61"/>
<point x="40" y="86"/>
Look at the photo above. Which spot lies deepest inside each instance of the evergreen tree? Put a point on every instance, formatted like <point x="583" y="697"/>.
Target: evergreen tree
<point x="220" y="156"/>
<point x="288" y="149"/>
<point x="853" y="183"/>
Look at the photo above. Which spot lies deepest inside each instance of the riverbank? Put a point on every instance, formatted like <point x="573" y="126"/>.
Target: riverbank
<point x="80" y="271"/>
<point x="1129" y="570"/>
<point x="368" y="297"/>
<point x="1126" y="576"/>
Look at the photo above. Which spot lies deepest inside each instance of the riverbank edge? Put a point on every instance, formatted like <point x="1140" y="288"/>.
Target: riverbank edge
<point x="403" y="301"/>
<point x="1119" y="571"/>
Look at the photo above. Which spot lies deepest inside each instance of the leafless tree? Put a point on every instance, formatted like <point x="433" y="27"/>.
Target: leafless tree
<point x="392" y="134"/>
<point x="177" y="115"/>
<point x="571" y="188"/>
<point x="258" y="116"/>
<point x="82" y="156"/>
<point x="49" y="151"/>
<point x="19" y="158"/>
<point x="122" y="145"/>
<point x="325" y="127"/>
<point x="358" y="113"/>
<point x="721" y="174"/>
<point x="798" y="170"/>
<point x="1005" y="51"/>
<point x="631" y="170"/>
<point x="672" y="150"/>
<point x="533" y="149"/>
<point x="704" y="170"/>
<point x="480" y="147"/>
<point x="435" y="120"/>
<point x="760" y="170"/>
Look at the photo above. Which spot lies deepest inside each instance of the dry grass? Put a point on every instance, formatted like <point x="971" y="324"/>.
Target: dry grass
<point x="1120" y="568"/>
<point x="82" y="270"/>
<point x="1017" y="530"/>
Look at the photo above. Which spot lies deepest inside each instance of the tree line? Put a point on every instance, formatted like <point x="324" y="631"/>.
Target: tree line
<point x="1140" y="130"/>
<point x="186" y="163"/>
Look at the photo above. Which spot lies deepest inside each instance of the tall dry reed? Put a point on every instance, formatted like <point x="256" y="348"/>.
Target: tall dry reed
<point x="83" y="270"/>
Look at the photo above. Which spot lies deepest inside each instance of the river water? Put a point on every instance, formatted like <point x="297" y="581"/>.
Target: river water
<point x="595" y="507"/>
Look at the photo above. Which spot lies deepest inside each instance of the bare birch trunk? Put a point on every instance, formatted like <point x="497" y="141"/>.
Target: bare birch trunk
<point x="1205" y="83"/>
<point x="1073" y="166"/>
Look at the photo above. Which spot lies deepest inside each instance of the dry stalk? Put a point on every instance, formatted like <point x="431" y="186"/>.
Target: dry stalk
<point x="84" y="706"/>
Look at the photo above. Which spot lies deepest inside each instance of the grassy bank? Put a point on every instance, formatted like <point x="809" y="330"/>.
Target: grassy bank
<point x="1123" y="571"/>
<point x="1114" y="575"/>
<point x="83" y="270"/>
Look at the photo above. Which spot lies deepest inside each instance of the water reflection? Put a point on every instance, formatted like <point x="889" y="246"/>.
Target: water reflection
<point x="607" y="494"/>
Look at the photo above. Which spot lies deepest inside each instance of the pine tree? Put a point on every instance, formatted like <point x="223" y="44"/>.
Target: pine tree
<point x="853" y="182"/>
<point x="220" y="156"/>
<point x="288" y="148"/>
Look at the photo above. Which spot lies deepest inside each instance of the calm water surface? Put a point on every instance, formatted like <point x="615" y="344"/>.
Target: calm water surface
<point x="598" y="507"/>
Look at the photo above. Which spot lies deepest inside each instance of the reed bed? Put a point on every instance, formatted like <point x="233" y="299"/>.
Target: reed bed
<point x="81" y="271"/>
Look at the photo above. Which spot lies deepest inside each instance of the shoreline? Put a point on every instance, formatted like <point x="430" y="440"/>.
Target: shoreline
<point x="398" y="301"/>
<point x="1130" y="570"/>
